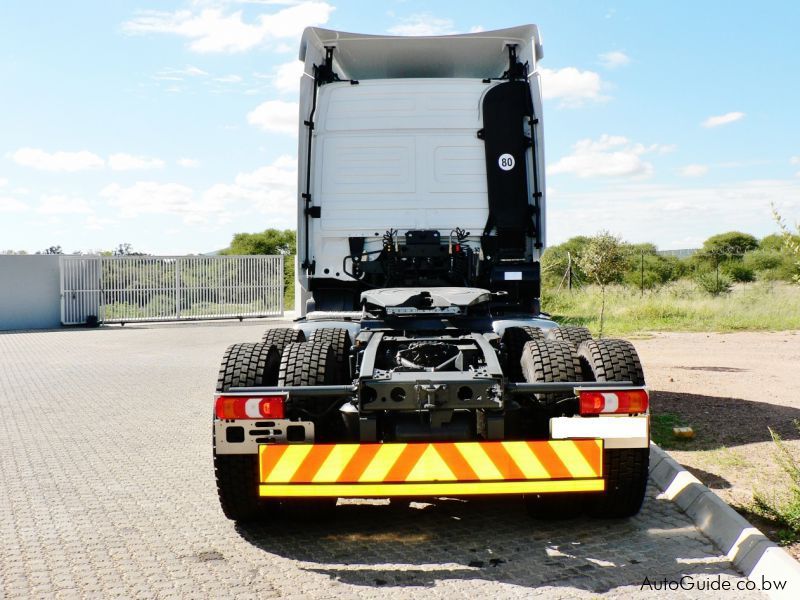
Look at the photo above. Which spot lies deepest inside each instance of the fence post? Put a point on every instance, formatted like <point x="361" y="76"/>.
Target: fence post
<point x="61" y="261"/>
<point x="569" y="271"/>
<point x="282" y="290"/>
<point x="101" y="302"/>
<point x="642" y="274"/>
<point x="177" y="288"/>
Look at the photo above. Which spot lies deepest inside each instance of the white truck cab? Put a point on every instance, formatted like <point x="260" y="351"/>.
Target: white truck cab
<point x="438" y="136"/>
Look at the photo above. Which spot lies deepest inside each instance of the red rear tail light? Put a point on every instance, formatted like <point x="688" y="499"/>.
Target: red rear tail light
<point x="595" y="402"/>
<point x="249" y="407"/>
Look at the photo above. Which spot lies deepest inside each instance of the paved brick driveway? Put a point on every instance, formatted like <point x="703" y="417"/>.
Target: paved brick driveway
<point x="106" y="490"/>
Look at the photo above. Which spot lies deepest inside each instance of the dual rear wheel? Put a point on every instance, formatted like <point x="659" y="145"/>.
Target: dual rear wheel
<point x="569" y="354"/>
<point x="283" y="358"/>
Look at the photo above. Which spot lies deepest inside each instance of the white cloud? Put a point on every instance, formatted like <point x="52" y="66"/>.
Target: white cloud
<point x="270" y="190"/>
<point x="3" y="182"/>
<point x="571" y="86"/>
<point x="213" y="30"/>
<point x="614" y="59"/>
<point x="275" y="115"/>
<point x="57" y="161"/>
<point x="63" y="205"/>
<point x="149" y="197"/>
<point x="694" y="170"/>
<point x="229" y="79"/>
<point x="9" y="205"/>
<point x="608" y="156"/>
<point x="287" y="76"/>
<point x="718" y="120"/>
<point x="188" y="163"/>
<point x="98" y="223"/>
<point x="423" y="24"/>
<point x="795" y="160"/>
<point x="129" y="162"/>
<point x="170" y="74"/>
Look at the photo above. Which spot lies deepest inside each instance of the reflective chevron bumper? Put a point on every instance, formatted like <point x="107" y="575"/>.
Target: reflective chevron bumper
<point x="430" y="469"/>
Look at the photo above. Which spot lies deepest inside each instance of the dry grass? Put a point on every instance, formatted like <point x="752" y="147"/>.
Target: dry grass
<point x="680" y="306"/>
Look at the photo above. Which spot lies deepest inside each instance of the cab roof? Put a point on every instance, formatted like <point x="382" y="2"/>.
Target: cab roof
<point x="470" y="55"/>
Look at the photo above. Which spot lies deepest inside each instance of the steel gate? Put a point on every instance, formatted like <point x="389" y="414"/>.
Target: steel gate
<point x="123" y="289"/>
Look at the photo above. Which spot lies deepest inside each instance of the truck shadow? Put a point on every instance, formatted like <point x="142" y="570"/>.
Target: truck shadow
<point x="723" y="422"/>
<point x="434" y="543"/>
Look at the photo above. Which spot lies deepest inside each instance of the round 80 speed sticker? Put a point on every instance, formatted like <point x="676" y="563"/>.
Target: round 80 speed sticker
<point x="506" y="162"/>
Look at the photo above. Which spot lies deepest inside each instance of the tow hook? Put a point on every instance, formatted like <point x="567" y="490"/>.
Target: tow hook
<point x="430" y="390"/>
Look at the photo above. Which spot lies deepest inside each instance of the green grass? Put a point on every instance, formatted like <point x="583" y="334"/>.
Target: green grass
<point x="661" y="430"/>
<point x="679" y="306"/>
<point x="783" y="506"/>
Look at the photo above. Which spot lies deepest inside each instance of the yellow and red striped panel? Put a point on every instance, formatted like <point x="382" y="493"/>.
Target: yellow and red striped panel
<point x="431" y="468"/>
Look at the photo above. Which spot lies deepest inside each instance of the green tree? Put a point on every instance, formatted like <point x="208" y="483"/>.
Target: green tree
<point x="270" y="241"/>
<point x="726" y="246"/>
<point x="604" y="260"/>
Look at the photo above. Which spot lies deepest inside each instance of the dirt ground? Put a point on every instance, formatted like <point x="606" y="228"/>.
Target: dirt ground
<point x="730" y="388"/>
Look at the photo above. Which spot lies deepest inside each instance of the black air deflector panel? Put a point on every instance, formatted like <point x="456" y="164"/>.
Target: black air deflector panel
<point x="506" y="107"/>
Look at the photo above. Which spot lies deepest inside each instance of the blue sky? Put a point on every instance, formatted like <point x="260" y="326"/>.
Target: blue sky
<point x="170" y="125"/>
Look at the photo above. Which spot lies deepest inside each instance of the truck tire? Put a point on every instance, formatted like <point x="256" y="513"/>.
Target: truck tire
<point x="514" y="339"/>
<point x="246" y="365"/>
<point x="243" y="365"/>
<point x="551" y="361"/>
<point x="307" y="363"/>
<point x="574" y="335"/>
<point x="546" y="361"/>
<point x="610" y="360"/>
<point x="280" y="336"/>
<point x="625" y="470"/>
<point x="339" y="339"/>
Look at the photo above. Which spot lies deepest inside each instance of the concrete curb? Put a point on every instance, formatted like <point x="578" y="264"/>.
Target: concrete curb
<point x="746" y="547"/>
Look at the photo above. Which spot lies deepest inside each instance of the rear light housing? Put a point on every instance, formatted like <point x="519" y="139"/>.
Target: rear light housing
<point x="596" y="401"/>
<point x="250" y="407"/>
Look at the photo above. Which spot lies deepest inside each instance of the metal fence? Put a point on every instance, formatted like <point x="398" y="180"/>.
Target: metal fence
<point x="123" y="289"/>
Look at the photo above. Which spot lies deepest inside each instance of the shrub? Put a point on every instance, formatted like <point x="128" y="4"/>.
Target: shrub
<point x="771" y="264"/>
<point x="738" y="272"/>
<point x="785" y="512"/>
<point x="714" y="284"/>
<point x="791" y="242"/>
